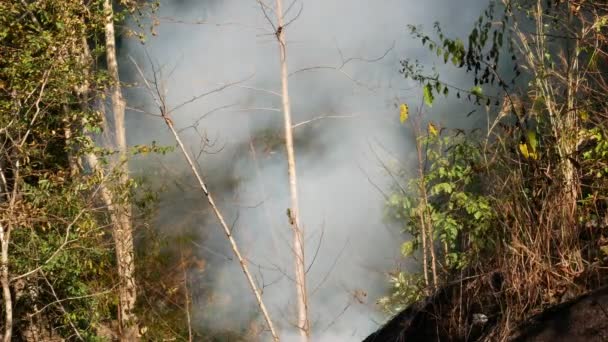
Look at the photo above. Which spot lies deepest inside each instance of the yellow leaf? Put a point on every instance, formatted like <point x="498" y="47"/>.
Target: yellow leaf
<point x="404" y="112"/>
<point x="433" y="129"/>
<point x="523" y="148"/>
<point x="534" y="155"/>
<point x="527" y="152"/>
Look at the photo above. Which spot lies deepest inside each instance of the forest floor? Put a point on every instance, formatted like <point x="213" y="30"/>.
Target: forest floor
<point x="581" y="319"/>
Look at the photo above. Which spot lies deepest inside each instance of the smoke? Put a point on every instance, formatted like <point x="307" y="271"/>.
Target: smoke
<point x="341" y="180"/>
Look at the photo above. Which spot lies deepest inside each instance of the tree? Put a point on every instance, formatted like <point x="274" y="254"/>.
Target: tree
<point x="293" y="212"/>
<point x="121" y="215"/>
<point x="165" y="112"/>
<point x="55" y="272"/>
<point x="52" y="220"/>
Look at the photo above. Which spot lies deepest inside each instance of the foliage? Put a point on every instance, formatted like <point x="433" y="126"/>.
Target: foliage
<point x="57" y="238"/>
<point x="61" y="258"/>
<point x="455" y="207"/>
<point x="61" y="262"/>
<point x="406" y="289"/>
<point x="526" y="201"/>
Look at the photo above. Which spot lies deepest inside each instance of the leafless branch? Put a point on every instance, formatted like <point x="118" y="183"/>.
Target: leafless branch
<point x="369" y="179"/>
<point x="57" y="301"/>
<point x="61" y="308"/>
<point x="207" y="93"/>
<point x="166" y="116"/>
<point x="330" y="270"/>
<point x="312" y="262"/>
<point x="344" y="63"/>
<point x="323" y="117"/>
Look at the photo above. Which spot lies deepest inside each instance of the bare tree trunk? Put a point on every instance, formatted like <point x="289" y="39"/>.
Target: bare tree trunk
<point x="569" y="131"/>
<point x="425" y="218"/>
<point x="182" y="262"/>
<point x="294" y="211"/>
<point x="5" y="233"/>
<point x="91" y="159"/>
<point x="122" y="231"/>
<point x="6" y="291"/>
<point x="425" y="262"/>
<point x="220" y="217"/>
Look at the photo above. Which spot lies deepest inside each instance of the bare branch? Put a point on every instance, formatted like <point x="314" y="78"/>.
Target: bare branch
<point x="344" y="63"/>
<point x="61" y="308"/>
<point x="207" y="93"/>
<point x="322" y="117"/>
<point x="317" y="250"/>
<point x="330" y="270"/>
<point x="211" y="201"/>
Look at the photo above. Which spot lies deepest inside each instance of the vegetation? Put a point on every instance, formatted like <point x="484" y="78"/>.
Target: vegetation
<point x="516" y="216"/>
<point x="512" y="218"/>
<point x="61" y="192"/>
<point x="50" y="218"/>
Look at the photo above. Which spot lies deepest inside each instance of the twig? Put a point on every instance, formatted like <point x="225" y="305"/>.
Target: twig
<point x="218" y="214"/>
<point x="323" y="117"/>
<point x="59" y="249"/>
<point x="61" y="308"/>
<point x="329" y="271"/>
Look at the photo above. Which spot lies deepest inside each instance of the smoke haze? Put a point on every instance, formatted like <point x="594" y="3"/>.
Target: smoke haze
<point x="341" y="180"/>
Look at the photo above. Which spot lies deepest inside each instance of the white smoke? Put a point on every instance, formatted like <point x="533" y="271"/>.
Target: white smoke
<point x="339" y="172"/>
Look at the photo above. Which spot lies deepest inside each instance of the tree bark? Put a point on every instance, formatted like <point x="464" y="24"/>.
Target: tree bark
<point x="122" y="230"/>
<point x="4" y="280"/>
<point x="294" y="211"/>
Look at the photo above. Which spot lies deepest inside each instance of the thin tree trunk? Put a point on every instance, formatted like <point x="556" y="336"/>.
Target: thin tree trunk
<point x="122" y="231"/>
<point x="425" y="220"/>
<point x="425" y="262"/>
<point x="6" y="291"/>
<point x="4" y="279"/>
<point x="431" y="241"/>
<point x="569" y="130"/>
<point x="92" y="161"/>
<point x="218" y="214"/>
<point x="220" y="217"/>
<point x="294" y="211"/>
<point x="186" y="294"/>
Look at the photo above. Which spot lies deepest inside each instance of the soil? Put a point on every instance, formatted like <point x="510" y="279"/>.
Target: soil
<point x="582" y="319"/>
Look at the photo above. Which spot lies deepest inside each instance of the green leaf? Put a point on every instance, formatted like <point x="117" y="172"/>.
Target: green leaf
<point x="477" y="91"/>
<point x="532" y="140"/>
<point x="408" y="248"/>
<point x="428" y="95"/>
